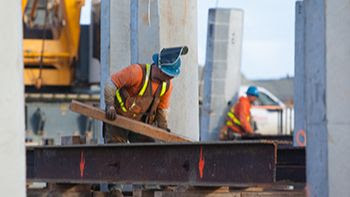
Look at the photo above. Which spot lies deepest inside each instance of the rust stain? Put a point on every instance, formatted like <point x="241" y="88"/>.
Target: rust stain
<point x="145" y="19"/>
<point x="301" y="138"/>
<point x="82" y="164"/>
<point x="201" y="163"/>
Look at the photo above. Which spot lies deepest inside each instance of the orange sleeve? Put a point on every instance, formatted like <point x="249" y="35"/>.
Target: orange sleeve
<point x="130" y="76"/>
<point x="244" y="113"/>
<point x="165" y="99"/>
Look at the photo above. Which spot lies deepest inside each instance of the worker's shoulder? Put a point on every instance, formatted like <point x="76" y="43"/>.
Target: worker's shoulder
<point x="133" y="70"/>
<point x="243" y="99"/>
<point x="136" y="67"/>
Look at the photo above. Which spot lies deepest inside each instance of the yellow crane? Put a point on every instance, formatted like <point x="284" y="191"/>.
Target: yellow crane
<point x="51" y="31"/>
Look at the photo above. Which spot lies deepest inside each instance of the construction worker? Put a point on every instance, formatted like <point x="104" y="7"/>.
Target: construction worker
<point x="239" y="120"/>
<point x="142" y="92"/>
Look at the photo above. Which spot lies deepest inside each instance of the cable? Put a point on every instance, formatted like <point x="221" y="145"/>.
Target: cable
<point x="38" y="83"/>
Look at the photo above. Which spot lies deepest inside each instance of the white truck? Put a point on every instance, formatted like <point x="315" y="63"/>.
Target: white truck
<point x="271" y="115"/>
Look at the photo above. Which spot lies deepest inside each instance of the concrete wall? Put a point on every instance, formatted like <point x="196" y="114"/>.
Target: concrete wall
<point x="299" y="79"/>
<point x="327" y="73"/>
<point x="12" y="150"/>
<point x="120" y="53"/>
<point x="139" y="28"/>
<point x="222" y="68"/>
<point x="315" y="68"/>
<point x="337" y="95"/>
<point x="178" y="27"/>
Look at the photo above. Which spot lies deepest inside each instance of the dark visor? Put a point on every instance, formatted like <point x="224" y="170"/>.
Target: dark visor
<point x="170" y="55"/>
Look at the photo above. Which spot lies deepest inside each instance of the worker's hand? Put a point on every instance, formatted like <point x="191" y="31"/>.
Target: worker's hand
<point x="168" y="130"/>
<point x="111" y="113"/>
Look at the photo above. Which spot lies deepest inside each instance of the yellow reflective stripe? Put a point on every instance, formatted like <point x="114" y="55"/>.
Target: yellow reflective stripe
<point x="163" y="89"/>
<point x="233" y="118"/>
<point x="230" y="114"/>
<point x="144" y="87"/>
<point x="120" y="100"/>
<point x="229" y="123"/>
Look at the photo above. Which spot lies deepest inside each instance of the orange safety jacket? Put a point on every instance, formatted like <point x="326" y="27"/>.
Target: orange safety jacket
<point x="238" y="118"/>
<point x="137" y="95"/>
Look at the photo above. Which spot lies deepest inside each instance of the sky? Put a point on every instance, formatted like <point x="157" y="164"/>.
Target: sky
<point x="268" y="35"/>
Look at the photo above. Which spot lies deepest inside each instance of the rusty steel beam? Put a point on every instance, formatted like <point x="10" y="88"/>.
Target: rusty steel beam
<point x="198" y="164"/>
<point x="287" y="138"/>
<point x="291" y="165"/>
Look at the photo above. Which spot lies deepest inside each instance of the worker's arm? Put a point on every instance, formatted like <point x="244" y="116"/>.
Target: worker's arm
<point x="162" y="110"/>
<point x="162" y="118"/>
<point x="128" y="77"/>
<point x="109" y="93"/>
<point x="244" y="117"/>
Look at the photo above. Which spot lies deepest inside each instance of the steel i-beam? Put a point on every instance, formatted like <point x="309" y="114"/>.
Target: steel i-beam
<point x="202" y="164"/>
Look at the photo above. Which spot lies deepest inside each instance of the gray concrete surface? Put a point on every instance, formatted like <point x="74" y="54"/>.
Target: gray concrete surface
<point x="337" y="95"/>
<point x="139" y="28"/>
<point x="299" y="79"/>
<point x="12" y="149"/>
<point x="327" y="73"/>
<point x="315" y="72"/>
<point x="222" y="68"/>
<point x="178" y="27"/>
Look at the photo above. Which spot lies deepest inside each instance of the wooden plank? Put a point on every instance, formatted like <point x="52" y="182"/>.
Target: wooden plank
<point x="127" y="123"/>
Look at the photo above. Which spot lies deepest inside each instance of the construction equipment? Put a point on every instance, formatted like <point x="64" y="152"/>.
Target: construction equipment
<point x="58" y="66"/>
<point x="51" y="31"/>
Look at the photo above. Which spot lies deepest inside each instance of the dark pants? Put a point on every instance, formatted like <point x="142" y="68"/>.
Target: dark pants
<point x="113" y="134"/>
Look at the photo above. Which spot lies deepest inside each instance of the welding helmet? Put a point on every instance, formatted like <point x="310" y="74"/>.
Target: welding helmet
<point x="168" y="60"/>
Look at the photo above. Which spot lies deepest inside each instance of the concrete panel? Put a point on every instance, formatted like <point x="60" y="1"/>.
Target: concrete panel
<point x="338" y="161"/>
<point x="220" y="50"/>
<point x="218" y="87"/>
<point x="234" y="54"/>
<point x="326" y="61"/>
<point x="220" y="70"/>
<point x="315" y="72"/>
<point x="337" y="95"/>
<point x="221" y="31"/>
<point x="12" y="149"/>
<point x="338" y="68"/>
<point x="222" y="73"/>
<point x="148" y="30"/>
<point x="178" y="26"/>
<point x="299" y="70"/>
<point x="222" y="15"/>
<point x="120" y="51"/>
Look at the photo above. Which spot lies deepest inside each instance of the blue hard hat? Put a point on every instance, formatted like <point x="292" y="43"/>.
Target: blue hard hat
<point x="252" y="91"/>
<point x="169" y="61"/>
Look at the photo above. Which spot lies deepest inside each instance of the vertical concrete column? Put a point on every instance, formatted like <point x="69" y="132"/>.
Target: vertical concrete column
<point x="299" y="79"/>
<point x="120" y="34"/>
<point x="337" y="95"/>
<point x="222" y="68"/>
<point x="178" y="27"/>
<point x="12" y="149"/>
<point x="315" y="72"/>
<point x="148" y="30"/>
<point x="327" y="65"/>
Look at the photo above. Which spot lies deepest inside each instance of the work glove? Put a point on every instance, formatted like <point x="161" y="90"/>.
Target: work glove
<point x="111" y="113"/>
<point x="168" y="130"/>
